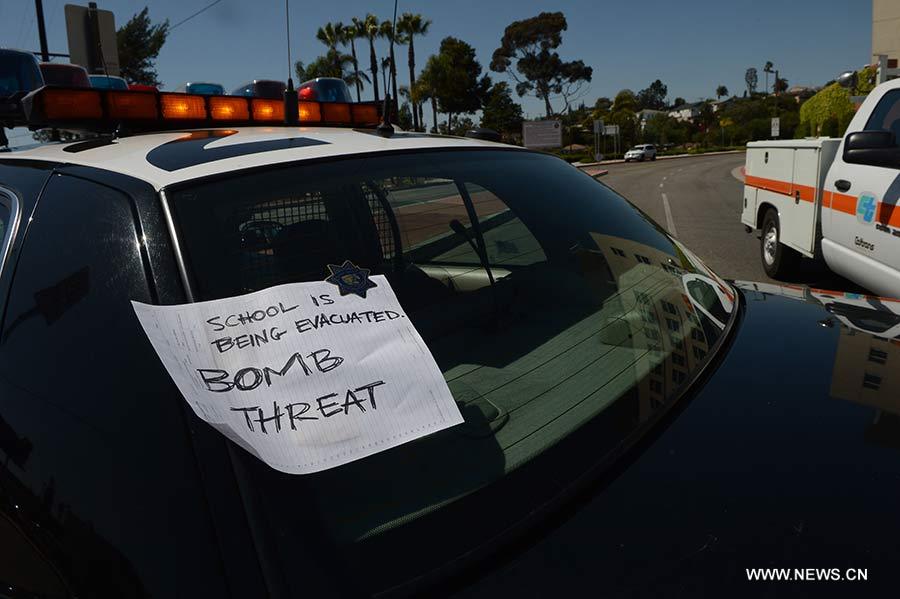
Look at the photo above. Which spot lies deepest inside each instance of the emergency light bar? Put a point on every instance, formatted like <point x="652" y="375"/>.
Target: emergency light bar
<point x="106" y="110"/>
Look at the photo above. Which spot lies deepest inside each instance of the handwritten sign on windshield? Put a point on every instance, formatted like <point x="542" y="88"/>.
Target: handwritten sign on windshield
<point x="302" y="377"/>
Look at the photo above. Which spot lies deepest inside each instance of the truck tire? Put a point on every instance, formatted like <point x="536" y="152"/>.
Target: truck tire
<point x="778" y="260"/>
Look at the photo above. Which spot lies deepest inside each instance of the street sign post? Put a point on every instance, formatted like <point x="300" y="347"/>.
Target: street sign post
<point x="542" y="134"/>
<point x="776" y="127"/>
<point x="92" y="39"/>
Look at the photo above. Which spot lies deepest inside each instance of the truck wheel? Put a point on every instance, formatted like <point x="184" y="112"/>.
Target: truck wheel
<point x="779" y="261"/>
<point x="653" y="157"/>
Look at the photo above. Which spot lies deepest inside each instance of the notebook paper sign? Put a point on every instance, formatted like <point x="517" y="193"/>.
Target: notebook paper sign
<point x="301" y="376"/>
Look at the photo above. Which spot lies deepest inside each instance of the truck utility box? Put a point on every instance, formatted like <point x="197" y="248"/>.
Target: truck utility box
<point x="788" y="176"/>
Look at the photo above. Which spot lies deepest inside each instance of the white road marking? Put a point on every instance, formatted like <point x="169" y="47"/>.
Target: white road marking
<point x="666" y="177"/>
<point x="670" y="222"/>
<point x="660" y="184"/>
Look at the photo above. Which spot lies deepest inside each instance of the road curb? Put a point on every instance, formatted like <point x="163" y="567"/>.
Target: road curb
<point x="621" y="161"/>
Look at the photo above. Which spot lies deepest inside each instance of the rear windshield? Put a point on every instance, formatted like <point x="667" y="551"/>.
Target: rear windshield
<point x="18" y="72"/>
<point x="210" y="89"/>
<point x="61" y="74"/>
<point x="583" y="324"/>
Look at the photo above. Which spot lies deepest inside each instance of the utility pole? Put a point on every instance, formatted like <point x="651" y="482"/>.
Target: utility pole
<point x="42" y="32"/>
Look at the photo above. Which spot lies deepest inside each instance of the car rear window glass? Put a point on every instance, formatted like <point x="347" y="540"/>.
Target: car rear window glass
<point x="557" y="348"/>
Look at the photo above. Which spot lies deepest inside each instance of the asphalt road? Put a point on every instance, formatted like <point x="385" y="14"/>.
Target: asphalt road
<point x="704" y="212"/>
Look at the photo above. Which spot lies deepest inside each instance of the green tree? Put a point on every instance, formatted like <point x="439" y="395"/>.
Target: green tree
<point x="352" y="32"/>
<point x="139" y="43"/>
<point x="426" y="87"/>
<point x="333" y="63"/>
<point x="625" y="100"/>
<point x="371" y="30"/>
<point x="539" y="70"/>
<point x="501" y="113"/>
<point x="410" y="25"/>
<point x="460" y="87"/>
<point x="653" y="96"/>
<point x="831" y="106"/>
<point x="331" y="34"/>
<point x="679" y="101"/>
<point x="386" y="30"/>
<point x="751" y="80"/>
<point x="768" y="69"/>
<point x="405" y="118"/>
<point x="721" y="92"/>
<point x="780" y="86"/>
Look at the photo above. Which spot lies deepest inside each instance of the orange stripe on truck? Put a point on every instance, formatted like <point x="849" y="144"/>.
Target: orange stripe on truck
<point x="843" y="203"/>
<point x="806" y="193"/>
<point x="768" y="184"/>
<point x="886" y="214"/>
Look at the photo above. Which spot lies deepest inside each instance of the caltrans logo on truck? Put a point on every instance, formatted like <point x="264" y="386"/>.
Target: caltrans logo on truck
<point x="865" y="208"/>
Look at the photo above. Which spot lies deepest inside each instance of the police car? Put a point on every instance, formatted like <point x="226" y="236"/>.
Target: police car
<point x="620" y="434"/>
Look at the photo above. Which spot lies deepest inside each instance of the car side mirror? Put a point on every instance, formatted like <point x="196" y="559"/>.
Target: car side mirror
<point x="873" y="148"/>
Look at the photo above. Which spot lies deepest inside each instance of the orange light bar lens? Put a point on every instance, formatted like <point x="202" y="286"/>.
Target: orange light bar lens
<point x="365" y="114"/>
<point x="267" y="110"/>
<point x="182" y="106"/>
<point x="70" y="104"/>
<point x="310" y="112"/>
<point x="131" y="105"/>
<point x="335" y="112"/>
<point x="229" y="109"/>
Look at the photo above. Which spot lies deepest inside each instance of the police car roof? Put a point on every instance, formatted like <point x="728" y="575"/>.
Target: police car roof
<point x="170" y="157"/>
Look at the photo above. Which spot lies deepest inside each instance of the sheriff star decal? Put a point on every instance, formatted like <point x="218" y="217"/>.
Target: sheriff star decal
<point x="350" y="278"/>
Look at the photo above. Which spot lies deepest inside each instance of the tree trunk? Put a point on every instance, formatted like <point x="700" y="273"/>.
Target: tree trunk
<point x="434" y="112"/>
<point x="355" y="67"/>
<point x="393" y="74"/>
<point x="412" y="83"/>
<point x="449" y="121"/>
<point x="374" y="64"/>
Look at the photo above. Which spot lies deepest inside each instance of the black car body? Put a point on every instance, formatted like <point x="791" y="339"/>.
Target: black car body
<point x="732" y="450"/>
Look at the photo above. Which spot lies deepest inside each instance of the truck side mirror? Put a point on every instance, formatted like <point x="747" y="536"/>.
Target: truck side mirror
<point x="873" y="148"/>
<point x="847" y="79"/>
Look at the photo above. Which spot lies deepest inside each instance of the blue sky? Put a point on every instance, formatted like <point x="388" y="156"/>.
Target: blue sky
<point x="691" y="45"/>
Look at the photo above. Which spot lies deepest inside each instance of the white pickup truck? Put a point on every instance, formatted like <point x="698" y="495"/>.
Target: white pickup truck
<point x="835" y="199"/>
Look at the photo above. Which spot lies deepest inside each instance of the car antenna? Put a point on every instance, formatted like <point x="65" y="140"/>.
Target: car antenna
<point x="291" y="105"/>
<point x="385" y="129"/>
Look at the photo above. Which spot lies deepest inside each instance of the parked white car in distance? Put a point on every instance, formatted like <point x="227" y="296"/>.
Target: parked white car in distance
<point x="641" y="153"/>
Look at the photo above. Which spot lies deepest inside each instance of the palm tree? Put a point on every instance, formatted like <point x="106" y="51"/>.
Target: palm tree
<point x="721" y="92"/>
<point x="409" y="26"/>
<point x="768" y="69"/>
<point x="371" y="28"/>
<point x="387" y="32"/>
<point x="332" y="34"/>
<point x="352" y="32"/>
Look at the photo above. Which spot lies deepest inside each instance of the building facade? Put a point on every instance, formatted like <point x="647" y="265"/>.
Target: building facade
<point x="886" y="29"/>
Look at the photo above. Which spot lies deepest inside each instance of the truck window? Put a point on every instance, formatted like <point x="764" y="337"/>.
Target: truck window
<point x="886" y="116"/>
<point x="100" y="459"/>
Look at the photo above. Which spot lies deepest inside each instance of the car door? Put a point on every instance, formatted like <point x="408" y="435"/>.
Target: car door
<point x="861" y="220"/>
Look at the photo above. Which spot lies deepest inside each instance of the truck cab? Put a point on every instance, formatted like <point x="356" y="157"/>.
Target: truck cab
<point x="834" y="199"/>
